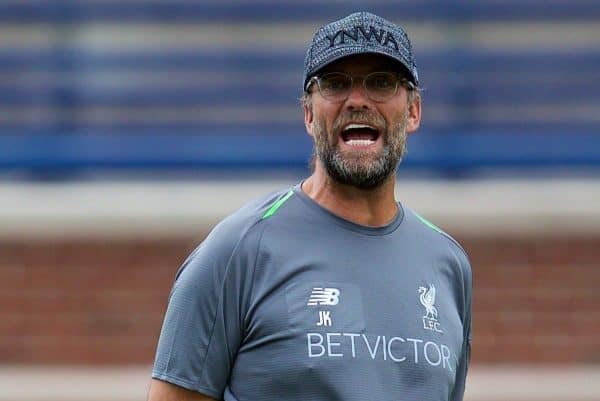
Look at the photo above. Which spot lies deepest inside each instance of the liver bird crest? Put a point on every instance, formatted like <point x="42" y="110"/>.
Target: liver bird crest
<point x="427" y="298"/>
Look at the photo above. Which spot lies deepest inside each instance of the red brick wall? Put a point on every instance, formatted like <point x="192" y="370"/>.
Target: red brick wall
<point x="536" y="300"/>
<point x="102" y="301"/>
<point x="85" y="302"/>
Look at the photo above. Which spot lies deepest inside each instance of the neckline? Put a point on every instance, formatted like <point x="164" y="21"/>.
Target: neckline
<point x="347" y="224"/>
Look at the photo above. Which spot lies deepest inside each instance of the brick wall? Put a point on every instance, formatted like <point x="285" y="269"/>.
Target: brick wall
<point x="536" y="300"/>
<point x="102" y="301"/>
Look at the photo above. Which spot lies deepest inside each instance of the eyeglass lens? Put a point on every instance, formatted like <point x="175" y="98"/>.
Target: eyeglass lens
<point x="379" y="86"/>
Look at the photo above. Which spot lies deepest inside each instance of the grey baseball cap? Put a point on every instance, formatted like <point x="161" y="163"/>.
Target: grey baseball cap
<point x="359" y="33"/>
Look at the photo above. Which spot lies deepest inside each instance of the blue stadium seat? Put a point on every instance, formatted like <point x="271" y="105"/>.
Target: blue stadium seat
<point x="293" y="10"/>
<point x="67" y="106"/>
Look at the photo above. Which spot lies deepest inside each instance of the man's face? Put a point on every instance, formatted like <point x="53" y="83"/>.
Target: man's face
<point x="359" y="141"/>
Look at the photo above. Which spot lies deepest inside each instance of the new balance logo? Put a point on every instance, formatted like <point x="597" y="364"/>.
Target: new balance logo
<point x="324" y="296"/>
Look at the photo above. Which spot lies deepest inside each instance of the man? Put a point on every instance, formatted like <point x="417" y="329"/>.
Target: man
<point x="329" y="290"/>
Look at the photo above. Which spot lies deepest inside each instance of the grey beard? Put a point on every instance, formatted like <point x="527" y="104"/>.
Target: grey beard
<point x="359" y="172"/>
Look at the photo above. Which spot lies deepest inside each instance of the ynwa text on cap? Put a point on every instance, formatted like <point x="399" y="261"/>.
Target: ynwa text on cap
<point x="382" y="36"/>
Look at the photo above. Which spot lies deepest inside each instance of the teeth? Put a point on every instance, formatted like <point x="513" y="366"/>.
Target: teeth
<point x="357" y="126"/>
<point x="360" y="142"/>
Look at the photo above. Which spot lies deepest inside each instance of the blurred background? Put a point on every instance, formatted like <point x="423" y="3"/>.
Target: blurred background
<point x="128" y="128"/>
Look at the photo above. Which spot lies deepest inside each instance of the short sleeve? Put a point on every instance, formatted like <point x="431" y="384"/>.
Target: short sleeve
<point x="203" y="324"/>
<point x="465" y="356"/>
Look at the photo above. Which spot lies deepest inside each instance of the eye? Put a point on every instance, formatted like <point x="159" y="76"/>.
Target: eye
<point x="335" y="82"/>
<point x="381" y="81"/>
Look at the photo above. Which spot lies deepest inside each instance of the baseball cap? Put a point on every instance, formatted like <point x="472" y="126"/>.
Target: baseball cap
<point x="359" y="33"/>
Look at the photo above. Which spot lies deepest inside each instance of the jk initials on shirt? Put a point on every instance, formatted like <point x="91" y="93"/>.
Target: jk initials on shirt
<point x="324" y="318"/>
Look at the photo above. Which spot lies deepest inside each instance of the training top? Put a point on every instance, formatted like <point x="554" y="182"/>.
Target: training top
<point x="285" y="301"/>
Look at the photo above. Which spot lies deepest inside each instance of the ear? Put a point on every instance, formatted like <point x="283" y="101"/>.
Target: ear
<point x="308" y="118"/>
<point x="414" y="114"/>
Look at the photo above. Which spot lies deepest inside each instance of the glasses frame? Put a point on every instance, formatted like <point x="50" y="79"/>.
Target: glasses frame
<point x="402" y="81"/>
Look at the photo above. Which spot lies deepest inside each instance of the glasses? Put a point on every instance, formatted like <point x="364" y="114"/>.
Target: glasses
<point x="379" y="86"/>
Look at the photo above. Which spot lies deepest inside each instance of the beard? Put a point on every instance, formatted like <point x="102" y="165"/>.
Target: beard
<point x="361" y="168"/>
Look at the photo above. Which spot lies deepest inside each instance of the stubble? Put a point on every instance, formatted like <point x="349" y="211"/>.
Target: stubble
<point x="361" y="169"/>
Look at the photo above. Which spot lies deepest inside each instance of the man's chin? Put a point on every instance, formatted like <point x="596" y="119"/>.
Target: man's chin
<point x="360" y="174"/>
<point x="361" y="182"/>
<point x="359" y="157"/>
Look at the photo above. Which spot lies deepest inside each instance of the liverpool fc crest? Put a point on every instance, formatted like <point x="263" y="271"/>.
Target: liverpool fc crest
<point x="427" y="298"/>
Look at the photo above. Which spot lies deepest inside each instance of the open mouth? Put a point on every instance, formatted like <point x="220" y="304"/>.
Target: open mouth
<point x="355" y="134"/>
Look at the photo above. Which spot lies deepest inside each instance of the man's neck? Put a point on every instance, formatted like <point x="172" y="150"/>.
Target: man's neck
<point x="368" y="207"/>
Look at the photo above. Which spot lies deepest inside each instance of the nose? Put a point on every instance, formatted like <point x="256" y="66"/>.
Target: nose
<point x="358" y="98"/>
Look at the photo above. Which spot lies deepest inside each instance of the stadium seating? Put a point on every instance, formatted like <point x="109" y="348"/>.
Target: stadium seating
<point x="68" y="102"/>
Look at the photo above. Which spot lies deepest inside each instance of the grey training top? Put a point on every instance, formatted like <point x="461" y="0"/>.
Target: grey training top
<point x="286" y="301"/>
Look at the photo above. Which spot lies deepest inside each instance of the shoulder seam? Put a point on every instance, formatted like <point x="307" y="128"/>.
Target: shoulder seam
<point x="231" y="255"/>
<point x="440" y="231"/>
<point x="277" y="204"/>
<point x="253" y="281"/>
